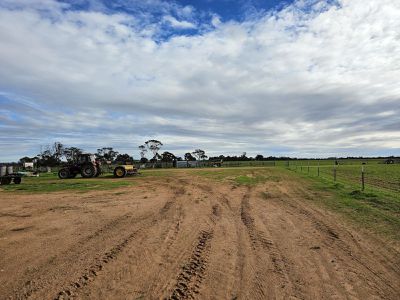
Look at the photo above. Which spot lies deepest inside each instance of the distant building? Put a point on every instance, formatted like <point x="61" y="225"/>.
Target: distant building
<point x="28" y="165"/>
<point x="189" y="164"/>
<point x="198" y="163"/>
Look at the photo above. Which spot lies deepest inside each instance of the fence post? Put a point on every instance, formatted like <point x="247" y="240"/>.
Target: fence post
<point x="318" y="170"/>
<point x="308" y="168"/>
<point x="362" y="178"/>
<point x="334" y="173"/>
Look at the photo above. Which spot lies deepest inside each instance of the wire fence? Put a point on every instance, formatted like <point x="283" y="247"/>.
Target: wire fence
<point x="381" y="176"/>
<point x="253" y="163"/>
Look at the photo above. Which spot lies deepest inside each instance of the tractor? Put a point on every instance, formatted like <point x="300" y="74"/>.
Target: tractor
<point x="84" y="164"/>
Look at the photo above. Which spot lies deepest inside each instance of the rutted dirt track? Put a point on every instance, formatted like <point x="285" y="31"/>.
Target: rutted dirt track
<point x="185" y="237"/>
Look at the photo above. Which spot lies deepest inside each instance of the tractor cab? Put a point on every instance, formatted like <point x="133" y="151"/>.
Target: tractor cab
<point x="86" y="158"/>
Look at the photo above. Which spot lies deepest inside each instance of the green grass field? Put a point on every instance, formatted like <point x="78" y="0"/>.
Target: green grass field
<point x="382" y="177"/>
<point x="49" y="182"/>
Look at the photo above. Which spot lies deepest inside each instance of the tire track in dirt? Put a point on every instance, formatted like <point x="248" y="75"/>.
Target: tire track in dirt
<point x="247" y="281"/>
<point x="166" y="224"/>
<point x="51" y="270"/>
<point x="259" y="239"/>
<point x="191" y="276"/>
<point x="334" y="237"/>
<point x="93" y="270"/>
<point x="91" y="273"/>
<point x="173" y="230"/>
<point x="35" y="285"/>
<point x="319" y="224"/>
<point x="238" y="266"/>
<point x="353" y="255"/>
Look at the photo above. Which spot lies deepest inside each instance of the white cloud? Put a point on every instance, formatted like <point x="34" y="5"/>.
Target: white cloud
<point x="178" y="24"/>
<point x="215" y="20"/>
<point x="314" y="81"/>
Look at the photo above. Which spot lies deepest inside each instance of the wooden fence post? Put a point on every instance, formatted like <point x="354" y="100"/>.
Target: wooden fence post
<point x="334" y="173"/>
<point x="362" y="178"/>
<point x="318" y="170"/>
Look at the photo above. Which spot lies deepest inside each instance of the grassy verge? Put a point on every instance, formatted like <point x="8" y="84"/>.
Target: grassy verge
<point x="375" y="209"/>
<point x="51" y="183"/>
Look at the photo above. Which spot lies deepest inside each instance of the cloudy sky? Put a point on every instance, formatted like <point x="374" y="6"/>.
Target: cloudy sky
<point x="310" y="78"/>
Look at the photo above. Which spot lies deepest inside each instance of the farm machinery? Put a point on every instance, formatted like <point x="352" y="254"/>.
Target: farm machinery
<point x="7" y="176"/>
<point x="84" y="164"/>
<point x="125" y="170"/>
<point x="88" y="166"/>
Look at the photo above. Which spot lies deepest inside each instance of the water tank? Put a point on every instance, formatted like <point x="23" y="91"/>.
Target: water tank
<point x="10" y="170"/>
<point x="3" y="170"/>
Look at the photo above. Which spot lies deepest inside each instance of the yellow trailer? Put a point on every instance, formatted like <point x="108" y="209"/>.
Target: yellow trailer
<point x="125" y="170"/>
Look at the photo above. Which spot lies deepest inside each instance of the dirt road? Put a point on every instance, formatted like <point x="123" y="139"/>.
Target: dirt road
<point x="185" y="237"/>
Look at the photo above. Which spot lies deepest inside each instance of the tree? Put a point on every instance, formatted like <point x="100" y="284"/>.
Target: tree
<point x="155" y="158"/>
<point x="143" y="151"/>
<point x="154" y="146"/>
<point x="189" y="157"/>
<point x="259" y="157"/>
<point x="106" y="154"/>
<point x="50" y="155"/>
<point x="57" y="151"/>
<point x="168" y="157"/>
<point x="25" y="159"/>
<point x="200" y="154"/>
<point x="71" y="153"/>
<point x="124" y="158"/>
<point x="243" y="156"/>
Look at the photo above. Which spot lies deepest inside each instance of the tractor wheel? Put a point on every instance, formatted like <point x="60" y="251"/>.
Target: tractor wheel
<point x="17" y="180"/>
<point x="88" y="171"/>
<point x="63" y="173"/>
<point x="119" y="172"/>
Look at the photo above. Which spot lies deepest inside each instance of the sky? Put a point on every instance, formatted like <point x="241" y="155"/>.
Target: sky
<point x="303" y="78"/>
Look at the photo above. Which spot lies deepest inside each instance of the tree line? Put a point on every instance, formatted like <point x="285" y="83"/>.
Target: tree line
<point x="52" y="155"/>
<point x="57" y="153"/>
